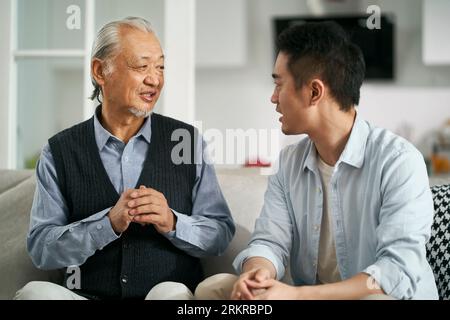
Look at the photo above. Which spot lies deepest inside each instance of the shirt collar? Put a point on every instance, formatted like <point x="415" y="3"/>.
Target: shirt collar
<point x="102" y="135"/>
<point x="354" y="150"/>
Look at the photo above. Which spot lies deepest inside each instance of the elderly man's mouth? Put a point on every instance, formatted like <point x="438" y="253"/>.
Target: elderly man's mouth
<point x="148" y="97"/>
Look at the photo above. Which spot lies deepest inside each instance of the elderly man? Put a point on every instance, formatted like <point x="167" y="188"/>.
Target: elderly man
<point x="110" y="198"/>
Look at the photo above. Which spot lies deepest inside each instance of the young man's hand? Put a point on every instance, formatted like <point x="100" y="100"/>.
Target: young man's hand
<point x="241" y="288"/>
<point x="272" y="289"/>
<point x="148" y="206"/>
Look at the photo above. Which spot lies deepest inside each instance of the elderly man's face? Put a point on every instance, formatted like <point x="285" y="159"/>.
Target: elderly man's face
<point x="138" y="73"/>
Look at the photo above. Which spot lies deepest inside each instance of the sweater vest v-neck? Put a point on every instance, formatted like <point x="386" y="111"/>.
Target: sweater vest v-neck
<point x="141" y="258"/>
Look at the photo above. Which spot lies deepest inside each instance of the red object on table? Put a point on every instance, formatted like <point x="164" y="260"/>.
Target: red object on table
<point x="258" y="163"/>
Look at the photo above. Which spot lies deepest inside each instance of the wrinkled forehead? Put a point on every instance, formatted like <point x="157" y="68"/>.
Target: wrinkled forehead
<point x="138" y="44"/>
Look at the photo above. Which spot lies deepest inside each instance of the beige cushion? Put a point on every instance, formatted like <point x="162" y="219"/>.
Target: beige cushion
<point x="15" y="204"/>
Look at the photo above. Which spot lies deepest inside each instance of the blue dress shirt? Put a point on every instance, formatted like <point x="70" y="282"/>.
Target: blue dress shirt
<point x="381" y="212"/>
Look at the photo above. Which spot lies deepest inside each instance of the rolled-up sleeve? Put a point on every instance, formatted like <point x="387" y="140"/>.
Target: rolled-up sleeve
<point x="404" y="227"/>
<point x="272" y="237"/>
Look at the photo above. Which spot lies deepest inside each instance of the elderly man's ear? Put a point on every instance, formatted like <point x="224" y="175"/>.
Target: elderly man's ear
<point x="98" y="71"/>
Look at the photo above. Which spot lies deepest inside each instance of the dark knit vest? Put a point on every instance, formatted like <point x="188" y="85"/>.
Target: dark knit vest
<point x="141" y="258"/>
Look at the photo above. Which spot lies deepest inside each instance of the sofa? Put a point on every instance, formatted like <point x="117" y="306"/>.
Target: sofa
<point x="244" y="190"/>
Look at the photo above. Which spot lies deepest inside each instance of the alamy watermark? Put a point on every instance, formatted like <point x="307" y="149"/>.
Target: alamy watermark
<point x="234" y="147"/>
<point x="73" y="280"/>
<point x="374" y="20"/>
<point x="73" y="21"/>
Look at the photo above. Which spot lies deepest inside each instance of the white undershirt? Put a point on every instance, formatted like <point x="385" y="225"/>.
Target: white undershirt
<point x="327" y="268"/>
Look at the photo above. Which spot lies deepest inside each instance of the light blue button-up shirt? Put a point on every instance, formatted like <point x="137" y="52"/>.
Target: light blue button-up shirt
<point x="54" y="243"/>
<point x="381" y="212"/>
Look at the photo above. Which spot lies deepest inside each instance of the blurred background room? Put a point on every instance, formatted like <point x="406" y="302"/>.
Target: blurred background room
<point x="219" y="59"/>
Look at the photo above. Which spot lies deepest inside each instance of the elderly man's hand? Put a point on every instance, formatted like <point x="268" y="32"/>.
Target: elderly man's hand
<point x="119" y="214"/>
<point x="150" y="206"/>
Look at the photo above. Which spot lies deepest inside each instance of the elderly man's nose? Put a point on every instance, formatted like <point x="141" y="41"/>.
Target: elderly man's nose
<point x="152" y="80"/>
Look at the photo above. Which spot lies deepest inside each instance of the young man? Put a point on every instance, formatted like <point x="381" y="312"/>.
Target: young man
<point x="350" y="206"/>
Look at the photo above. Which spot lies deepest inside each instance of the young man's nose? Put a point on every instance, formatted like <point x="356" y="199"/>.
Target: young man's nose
<point x="274" y="98"/>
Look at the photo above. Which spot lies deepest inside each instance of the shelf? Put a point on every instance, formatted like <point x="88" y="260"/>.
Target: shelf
<point x="49" y="54"/>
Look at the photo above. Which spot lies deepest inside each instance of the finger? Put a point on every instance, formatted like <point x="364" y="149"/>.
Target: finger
<point x="148" y="218"/>
<point x="245" y="292"/>
<point x="151" y="199"/>
<point x="146" y="192"/>
<point x="127" y="193"/>
<point x="254" y="284"/>
<point x="146" y="209"/>
<point x="235" y="294"/>
<point x="240" y="291"/>
<point x="267" y="283"/>
<point x="262" y="274"/>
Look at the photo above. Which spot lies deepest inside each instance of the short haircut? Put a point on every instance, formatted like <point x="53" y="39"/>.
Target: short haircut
<point x="324" y="50"/>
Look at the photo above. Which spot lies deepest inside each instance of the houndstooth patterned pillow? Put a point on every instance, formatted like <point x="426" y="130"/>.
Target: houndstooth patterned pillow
<point x="438" y="248"/>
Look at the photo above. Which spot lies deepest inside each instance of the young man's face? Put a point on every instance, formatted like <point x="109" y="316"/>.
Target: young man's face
<point x="138" y="75"/>
<point x="292" y="103"/>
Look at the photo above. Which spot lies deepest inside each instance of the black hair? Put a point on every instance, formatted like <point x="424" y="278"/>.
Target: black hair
<point x="323" y="49"/>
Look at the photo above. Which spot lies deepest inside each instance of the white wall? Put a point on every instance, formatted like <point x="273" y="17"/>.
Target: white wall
<point x="239" y="97"/>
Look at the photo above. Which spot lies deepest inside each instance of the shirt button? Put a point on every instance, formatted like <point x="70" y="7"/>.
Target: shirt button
<point x="126" y="159"/>
<point x="124" y="279"/>
<point x="316" y="228"/>
<point x="99" y="227"/>
<point x="70" y="229"/>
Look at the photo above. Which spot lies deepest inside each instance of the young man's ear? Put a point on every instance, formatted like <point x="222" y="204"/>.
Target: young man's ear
<point x="317" y="91"/>
<point x="98" y="71"/>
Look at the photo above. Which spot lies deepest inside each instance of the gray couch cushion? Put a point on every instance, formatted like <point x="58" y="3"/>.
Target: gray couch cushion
<point x="15" y="204"/>
<point x="9" y="178"/>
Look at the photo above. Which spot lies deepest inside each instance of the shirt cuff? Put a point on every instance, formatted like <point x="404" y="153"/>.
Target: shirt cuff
<point x="259" y="251"/>
<point x="391" y="279"/>
<point x="100" y="229"/>
<point x="182" y="228"/>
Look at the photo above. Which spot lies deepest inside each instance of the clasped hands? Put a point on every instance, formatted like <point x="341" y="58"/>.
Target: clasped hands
<point x="143" y="206"/>
<point x="257" y="284"/>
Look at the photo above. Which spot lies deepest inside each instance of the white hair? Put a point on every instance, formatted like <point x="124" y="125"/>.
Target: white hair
<point x="107" y="45"/>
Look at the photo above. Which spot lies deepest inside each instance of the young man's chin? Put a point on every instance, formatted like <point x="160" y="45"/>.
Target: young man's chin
<point x="286" y="130"/>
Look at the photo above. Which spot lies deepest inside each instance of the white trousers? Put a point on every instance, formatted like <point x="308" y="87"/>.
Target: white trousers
<point x="217" y="287"/>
